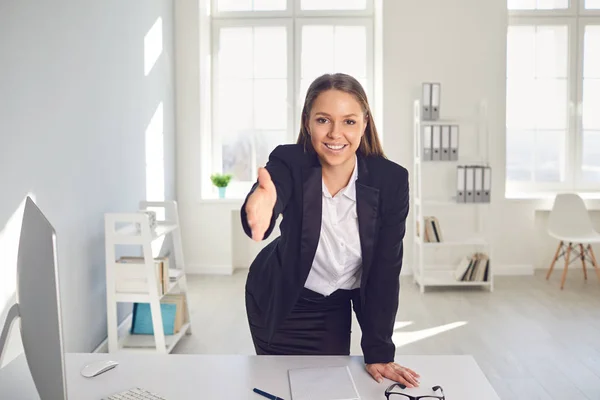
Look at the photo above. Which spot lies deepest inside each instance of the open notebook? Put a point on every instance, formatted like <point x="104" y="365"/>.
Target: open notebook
<point x="322" y="383"/>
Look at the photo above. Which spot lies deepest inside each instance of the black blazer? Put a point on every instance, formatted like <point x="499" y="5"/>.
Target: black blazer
<point x="277" y="275"/>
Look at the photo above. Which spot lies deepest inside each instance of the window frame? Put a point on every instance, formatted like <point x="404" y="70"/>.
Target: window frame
<point x="576" y="18"/>
<point x="293" y="19"/>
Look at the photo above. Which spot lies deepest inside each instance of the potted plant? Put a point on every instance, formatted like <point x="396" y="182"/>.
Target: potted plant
<point x="221" y="181"/>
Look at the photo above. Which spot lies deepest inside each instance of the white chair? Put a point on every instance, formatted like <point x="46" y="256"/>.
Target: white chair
<point x="570" y="223"/>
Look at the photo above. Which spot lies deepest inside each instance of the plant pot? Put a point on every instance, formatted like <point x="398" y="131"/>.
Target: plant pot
<point x="222" y="191"/>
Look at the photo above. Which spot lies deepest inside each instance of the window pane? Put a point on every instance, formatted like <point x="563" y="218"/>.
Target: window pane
<point x="270" y="5"/>
<point x="549" y="156"/>
<point x="551" y="51"/>
<point x="333" y="4"/>
<point x="351" y="50"/>
<point x="317" y="56"/>
<point x="592" y="4"/>
<point x="234" y="105"/>
<point x="537" y="4"/>
<point x="520" y="96"/>
<point x="591" y="104"/>
<point x="237" y="155"/>
<point x="234" y="5"/>
<point x="270" y="52"/>
<point x="235" y="53"/>
<point x="521" y="52"/>
<point x="550" y="106"/>
<point x="591" y="156"/>
<point x="266" y="141"/>
<point x="519" y="155"/>
<point x="270" y="104"/>
<point x="251" y="5"/>
<point x="591" y="52"/>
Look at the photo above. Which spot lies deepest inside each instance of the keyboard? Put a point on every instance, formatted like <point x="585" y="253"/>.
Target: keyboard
<point x="134" y="394"/>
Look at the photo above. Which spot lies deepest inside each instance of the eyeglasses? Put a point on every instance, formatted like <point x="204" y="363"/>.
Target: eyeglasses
<point x="389" y="395"/>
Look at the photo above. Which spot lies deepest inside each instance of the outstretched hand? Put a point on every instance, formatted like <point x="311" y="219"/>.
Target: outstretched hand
<point x="394" y="372"/>
<point x="259" y="207"/>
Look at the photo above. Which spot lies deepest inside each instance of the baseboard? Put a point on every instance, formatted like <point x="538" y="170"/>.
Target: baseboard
<point x="122" y="330"/>
<point x="209" y="269"/>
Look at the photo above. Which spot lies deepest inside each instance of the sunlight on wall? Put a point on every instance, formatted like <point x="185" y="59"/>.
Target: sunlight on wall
<point x="155" y="153"/>
<point x="403" y="338"/>
<point x="155" y="166"/>
<point x="9" y="247"/>
<point x="153" y="46"/>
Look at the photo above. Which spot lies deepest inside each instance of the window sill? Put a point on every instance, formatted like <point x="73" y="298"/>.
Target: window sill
<point x="544" y="201"/>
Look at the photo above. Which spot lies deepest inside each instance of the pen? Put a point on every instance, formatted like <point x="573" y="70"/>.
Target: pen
<point x="267" y="395"/>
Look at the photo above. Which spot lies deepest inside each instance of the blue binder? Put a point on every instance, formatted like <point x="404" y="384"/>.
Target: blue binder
<point x="142" y="318"/>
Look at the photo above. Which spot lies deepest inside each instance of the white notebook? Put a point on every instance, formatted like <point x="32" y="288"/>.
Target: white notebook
<point x="322" y="383"/>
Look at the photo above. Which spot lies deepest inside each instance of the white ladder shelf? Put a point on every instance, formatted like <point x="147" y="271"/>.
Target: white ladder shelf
<point x="134" y="229"/>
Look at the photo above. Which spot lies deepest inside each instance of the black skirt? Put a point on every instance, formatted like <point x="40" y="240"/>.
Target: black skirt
<point x="317" y="325"/>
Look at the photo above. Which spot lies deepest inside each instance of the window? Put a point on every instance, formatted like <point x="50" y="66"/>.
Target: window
<point x="265" y="54"/>
<point x="552" y="88"/>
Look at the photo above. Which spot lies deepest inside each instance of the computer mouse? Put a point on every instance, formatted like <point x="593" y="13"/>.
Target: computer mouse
<point x="98" y="367"/>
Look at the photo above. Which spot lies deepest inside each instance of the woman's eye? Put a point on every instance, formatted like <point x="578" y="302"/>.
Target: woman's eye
<point x="321" y="120"/>
<point x="350" y="122"/>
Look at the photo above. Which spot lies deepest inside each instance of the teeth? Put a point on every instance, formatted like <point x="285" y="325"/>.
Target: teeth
<point x="332" y="147"/>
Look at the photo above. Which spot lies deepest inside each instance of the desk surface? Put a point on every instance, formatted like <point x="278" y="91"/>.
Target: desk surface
<point x="193" y="377"/>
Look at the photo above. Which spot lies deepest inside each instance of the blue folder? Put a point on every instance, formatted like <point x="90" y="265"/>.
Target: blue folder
<point x="142" y="318"/>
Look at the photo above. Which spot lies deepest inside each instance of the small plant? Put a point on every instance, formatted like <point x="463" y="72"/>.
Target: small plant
<point x="220" y="180"/>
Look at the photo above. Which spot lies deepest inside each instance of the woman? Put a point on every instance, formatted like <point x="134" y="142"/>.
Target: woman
<point x="344" y="208"/>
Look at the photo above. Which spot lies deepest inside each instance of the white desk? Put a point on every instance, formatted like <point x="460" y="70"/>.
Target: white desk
<point x="210" y="377"/>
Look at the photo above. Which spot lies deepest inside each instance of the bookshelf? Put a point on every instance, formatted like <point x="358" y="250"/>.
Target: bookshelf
<point x="442" y="175"/>
<point x="139" y="280"/>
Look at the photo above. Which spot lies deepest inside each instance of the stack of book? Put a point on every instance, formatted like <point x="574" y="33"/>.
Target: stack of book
<point x="433" y="232"/>
<point x="132" y="278"/>
<point x="173" y="310"/>
<point x="473" y="269"/>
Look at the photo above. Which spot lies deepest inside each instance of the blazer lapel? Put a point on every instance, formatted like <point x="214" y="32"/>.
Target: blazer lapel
<point x="312" y="204"/>
<point x="367" y="208"/>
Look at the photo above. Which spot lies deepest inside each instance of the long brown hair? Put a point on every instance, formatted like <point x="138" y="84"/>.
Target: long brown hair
<point x="369" y="144"/>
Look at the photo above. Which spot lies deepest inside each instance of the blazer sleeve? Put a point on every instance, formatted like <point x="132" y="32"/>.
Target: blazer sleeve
<point x="282" y="179"/>
<point x="381" y="305"/>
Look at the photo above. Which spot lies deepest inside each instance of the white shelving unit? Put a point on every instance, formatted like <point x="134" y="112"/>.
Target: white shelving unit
<point x="439" y="275"/>
<point x="134" y="229"/>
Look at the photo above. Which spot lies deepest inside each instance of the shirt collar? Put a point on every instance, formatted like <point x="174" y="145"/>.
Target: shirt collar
<point x="350" y="189"/>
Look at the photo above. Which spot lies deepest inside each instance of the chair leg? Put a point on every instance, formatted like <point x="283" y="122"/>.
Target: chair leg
<point x="583" y="261"/>
<point x="554" y="260"/>
<point x="564" y="275"/>
<point x="594" y="261"/>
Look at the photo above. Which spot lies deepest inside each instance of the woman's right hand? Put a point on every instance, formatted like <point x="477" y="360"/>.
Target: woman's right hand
<point x="260" y="204"/>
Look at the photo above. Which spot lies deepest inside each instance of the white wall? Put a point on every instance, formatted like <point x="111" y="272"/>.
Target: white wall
<point x="75" y="106"/>
<point x="461" y="44"/>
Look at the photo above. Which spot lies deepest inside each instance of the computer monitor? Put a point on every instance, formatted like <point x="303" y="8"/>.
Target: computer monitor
<point x="38" y="305"/>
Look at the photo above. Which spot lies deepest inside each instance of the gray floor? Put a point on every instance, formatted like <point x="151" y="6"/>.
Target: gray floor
<point x="532" y="340"/>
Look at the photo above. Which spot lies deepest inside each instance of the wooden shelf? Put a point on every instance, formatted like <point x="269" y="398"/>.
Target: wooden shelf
<point x="146" y="343"/>
<point x="142" y="275"/>
<point x="433" y="277"/>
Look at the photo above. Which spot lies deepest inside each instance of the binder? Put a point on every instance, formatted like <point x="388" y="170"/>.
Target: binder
<point x="436" y="89"/>
<point x="454" y="143"/>
<point x="487" y="184"/>
<point x="478" y="184"/>
<point x="436" y="143"/>
<point x="427" y="153"/>
<point x="445" y="143"/>
<point x="460" y="184"/>
<point x="470" y="184"/>
<point x="426" y="101"/>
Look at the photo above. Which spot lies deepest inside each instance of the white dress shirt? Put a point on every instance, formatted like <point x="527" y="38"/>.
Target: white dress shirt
<point x="338" y="260"/>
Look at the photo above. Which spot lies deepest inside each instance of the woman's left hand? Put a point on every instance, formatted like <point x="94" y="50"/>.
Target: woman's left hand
<point x="394" y="372"/>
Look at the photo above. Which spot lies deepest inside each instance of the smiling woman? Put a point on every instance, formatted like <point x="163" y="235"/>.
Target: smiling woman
<point x="344" y="208"/>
